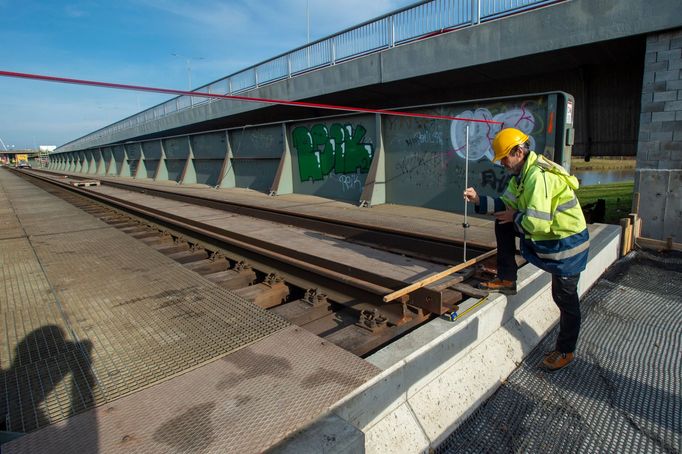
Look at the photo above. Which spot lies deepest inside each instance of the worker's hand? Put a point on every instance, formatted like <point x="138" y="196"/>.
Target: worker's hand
<point x="471" y="195"/>
<point x="506" y="216"/>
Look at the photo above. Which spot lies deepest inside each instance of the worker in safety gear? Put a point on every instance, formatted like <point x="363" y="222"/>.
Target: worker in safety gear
<point x="540" y="207"/>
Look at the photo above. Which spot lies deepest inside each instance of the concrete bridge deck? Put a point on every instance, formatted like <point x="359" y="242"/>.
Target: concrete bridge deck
<point x="405" y="398"/>
<point x="110" y="346"/>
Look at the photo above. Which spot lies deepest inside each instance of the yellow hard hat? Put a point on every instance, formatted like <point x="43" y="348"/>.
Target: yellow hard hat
<point x="506" y="140"/>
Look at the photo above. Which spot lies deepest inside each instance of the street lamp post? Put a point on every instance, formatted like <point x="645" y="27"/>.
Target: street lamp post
<point x="188" y="61"/>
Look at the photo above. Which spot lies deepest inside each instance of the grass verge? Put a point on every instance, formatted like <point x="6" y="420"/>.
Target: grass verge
<point x="618" y="197"/>
<point x="578" y="163"/>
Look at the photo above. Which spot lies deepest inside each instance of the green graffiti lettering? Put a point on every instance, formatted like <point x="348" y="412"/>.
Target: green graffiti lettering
<point x="339" y="147"/>
<point x="324" y="148"/>
<point x="308" y="165"/>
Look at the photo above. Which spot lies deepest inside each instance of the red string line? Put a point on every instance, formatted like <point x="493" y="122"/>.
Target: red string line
<point x="170" y="91"/>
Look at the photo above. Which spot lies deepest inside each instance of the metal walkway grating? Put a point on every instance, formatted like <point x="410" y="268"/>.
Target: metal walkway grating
<point x="245" y="402"/>
<point x="623" y="393"/>
<point x="88" y="315"/>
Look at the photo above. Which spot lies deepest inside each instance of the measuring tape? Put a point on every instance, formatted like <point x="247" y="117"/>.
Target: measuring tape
<point x="452" y="316"/>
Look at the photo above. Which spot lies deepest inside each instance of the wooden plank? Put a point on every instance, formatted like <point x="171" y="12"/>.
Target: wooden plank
<point x="624" y="236"/>
<point x="633" y="233"/>
<point x="446" y="282"/>
<point x="650" y="243"/>
<point x="438" y="276"/>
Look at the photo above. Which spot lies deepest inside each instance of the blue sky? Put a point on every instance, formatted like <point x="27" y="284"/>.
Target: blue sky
<point x="132" y="42"/>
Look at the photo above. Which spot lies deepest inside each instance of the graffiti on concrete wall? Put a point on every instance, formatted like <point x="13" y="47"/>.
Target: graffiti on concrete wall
<point x="350" y="182"/>
<point x="425" y="159"/>
<point x="481" y="135"/>
<point x="426" y="169"/>
<point x="340" y="149"/>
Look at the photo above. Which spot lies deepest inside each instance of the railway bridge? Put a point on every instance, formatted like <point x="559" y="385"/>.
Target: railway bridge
<point x="617" y="60"/>
<point x="279" y="261"/>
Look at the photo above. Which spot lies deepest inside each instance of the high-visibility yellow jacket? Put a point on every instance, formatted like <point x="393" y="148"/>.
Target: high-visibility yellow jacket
<point x="549" y="218"/>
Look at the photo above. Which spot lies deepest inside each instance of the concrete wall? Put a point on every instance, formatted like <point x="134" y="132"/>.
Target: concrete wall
<point x="355" y="158"/>
<point x="425" y="159"/>
<point x="659" y="155"/>
<point x="331" y="157"/>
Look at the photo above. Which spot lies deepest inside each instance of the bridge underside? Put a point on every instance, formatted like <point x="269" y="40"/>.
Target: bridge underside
<point x="603" y="77"/>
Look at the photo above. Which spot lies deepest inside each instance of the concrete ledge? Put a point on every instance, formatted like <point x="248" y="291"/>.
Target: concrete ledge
<point x="439" y="374"/>
<point x="329" y="434"/>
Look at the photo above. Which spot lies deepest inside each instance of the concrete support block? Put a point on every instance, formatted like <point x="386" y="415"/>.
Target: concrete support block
<point x="657" y="155"/>
<point x="672" y="223"/>
<point x="436" y="376"/>
<point x="659" y="65"/>
<point x="653" y="106"/>
<point x="674" y="148"/>
<point x="660" y="86"/>
<point x="667" y="75"/>
<point x="666" y="55"/>
<point x="659" y="46"/>
<point x="648" y="77"/>
<point x="399" y="433"/>
<point x="676" y="43"/>
<point x="675" y="64"/>
<point x="673" y="85"/>
<point x="652" y="201"/>
<point x="665" y="126"/>
<point x="662" y="136"/>
<point x="374" y="192"/>
<point x="663" y="96"/>
<point x="330" y="434"/>
<point x="645" y="164"/>
<point x="446" y="401"/>
<point x="376" y="400"/>
<point x="663" y="116"/>
<point x="647" y="147"/>
<point x="650" y="57"/>
<point x="673" y="164"/>
<point x="673" y="106"/>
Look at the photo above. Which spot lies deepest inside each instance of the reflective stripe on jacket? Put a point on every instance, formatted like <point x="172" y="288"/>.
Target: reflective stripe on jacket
<point x="549" y="217"/>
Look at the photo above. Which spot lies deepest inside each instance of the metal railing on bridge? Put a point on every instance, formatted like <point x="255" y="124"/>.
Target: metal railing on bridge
<point x="414" y="22"/>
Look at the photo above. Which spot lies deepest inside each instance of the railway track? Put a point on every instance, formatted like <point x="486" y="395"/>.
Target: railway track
<point x="338" y="302"/>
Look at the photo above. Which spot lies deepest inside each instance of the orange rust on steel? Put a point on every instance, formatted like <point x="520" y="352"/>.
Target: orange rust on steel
<point x="176" y="220"/>
<point x="438" y="276"/>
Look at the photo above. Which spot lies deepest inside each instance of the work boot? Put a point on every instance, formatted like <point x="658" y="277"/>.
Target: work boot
<point x="555" y="360"/>
<point x="499" y="286"/>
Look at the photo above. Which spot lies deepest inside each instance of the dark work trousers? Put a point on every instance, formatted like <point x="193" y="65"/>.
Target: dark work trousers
<point x="564" y="288"/>
<point x="565" y="294"/>
<point x="505" y="235"/>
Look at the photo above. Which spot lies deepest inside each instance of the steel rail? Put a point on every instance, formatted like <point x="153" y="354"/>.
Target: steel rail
<point x="423" y="246"/>
<point x="238" y="240"/>
<point x="373" y="285"/>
